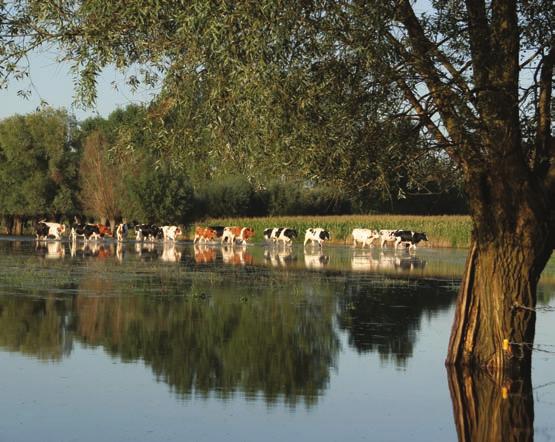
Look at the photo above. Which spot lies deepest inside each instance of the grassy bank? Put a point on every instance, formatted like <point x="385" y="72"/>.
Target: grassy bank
<point x="442" y="231"/>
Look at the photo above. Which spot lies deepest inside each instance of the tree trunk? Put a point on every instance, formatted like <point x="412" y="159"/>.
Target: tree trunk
<point x="17" y="228"/>
<point x="495" y="316"/>
<point x="491" y="409"/>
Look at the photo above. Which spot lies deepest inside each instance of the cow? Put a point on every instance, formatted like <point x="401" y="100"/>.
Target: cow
<point x="409" y="238"/>
<point x="54" y="229"/>
<point x="231" y="234"/>
<point x="364" y="237"/>
<point x="170" y="233"/>
<point x="104" y="230"/>
<point x="41" y="231"/>
<point x="121" y="231"/>
<point x="203" y="234"/>
<point x="218" y="229"/>
<point x="388" y="236"/>
<point x="148" y="232"/>
<point x="317" y="234"/>
<point x="277" y="234"/>
<point x="87" y="231"/>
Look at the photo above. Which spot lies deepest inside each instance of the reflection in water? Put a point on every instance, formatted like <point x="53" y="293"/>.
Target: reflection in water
<point x="215" y="330"/>
<point x="170" y="253"/>
<point x="316" y="260"/>
<point x="147" y="251"/>
<point x="386" y="261"/>
<point x="218" y="346"/>
<point x="279" y="257"/>
<point x="37" y="327"/>
<point x="204" y="254"/>
<point x="50" y="249"/>
<point x="385" y="317"/>
<point x="236" y="255"/>
<point x="485" y="408"/>
<point x="91" y="249"/>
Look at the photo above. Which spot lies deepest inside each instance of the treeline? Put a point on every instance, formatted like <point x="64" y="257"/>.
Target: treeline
<point x="112" y="169"/>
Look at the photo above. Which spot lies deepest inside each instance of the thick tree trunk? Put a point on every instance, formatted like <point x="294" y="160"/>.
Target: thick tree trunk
<point x="495" y="315"/>
<point x="491" y="409"/>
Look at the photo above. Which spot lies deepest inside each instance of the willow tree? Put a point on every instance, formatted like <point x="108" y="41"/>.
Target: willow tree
<point x="461" y="68"/>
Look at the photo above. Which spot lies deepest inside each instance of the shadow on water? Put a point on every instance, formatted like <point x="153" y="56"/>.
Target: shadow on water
<point x="485" y="408"/>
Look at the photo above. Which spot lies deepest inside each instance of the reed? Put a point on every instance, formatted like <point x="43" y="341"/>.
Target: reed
<point x="442" y="231"/>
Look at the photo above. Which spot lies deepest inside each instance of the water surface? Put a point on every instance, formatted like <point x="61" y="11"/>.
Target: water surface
<point x="152" y="342"/>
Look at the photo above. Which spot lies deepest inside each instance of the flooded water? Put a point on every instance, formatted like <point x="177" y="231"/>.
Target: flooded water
<point x="204" y="343"/>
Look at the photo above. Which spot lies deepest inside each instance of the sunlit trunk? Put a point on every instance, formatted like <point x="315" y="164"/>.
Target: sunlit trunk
<point x="495" y="316"/>
<point x="492" y="409"/>
<point x="17" y="226"/>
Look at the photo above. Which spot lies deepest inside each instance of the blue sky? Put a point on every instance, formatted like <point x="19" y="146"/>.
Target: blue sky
<point x="52" y="81"/>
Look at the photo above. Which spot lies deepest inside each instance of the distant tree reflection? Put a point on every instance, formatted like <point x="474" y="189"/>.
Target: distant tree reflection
<point x="37" y="327"/>
<point x="216" y="341"/>
<point x="385" y="315"/>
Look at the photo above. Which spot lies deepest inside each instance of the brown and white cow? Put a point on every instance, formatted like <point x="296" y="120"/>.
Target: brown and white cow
<point x="232" y="234"/>
<point x="204" y="234"/>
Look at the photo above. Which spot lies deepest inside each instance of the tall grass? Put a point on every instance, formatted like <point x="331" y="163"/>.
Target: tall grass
<point x="442" y="231"/>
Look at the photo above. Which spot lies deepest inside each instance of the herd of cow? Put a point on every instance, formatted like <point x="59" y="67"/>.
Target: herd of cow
<point x="225" y="235"/>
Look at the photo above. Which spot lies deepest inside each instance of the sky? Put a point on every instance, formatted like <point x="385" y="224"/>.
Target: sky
<point x="52" y="82"/>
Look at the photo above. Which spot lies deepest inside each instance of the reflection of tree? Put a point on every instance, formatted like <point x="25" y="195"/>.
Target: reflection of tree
<point x="491" y="409"/>
<point x="385" y="316"/>
<point x="35" y="326"/>
<point x="221" y="343"/>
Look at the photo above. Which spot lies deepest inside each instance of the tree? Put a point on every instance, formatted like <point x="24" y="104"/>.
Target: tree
<point x="37" y="167"/>
<point x="100" y="179"/>
<point x="458" y="68"/>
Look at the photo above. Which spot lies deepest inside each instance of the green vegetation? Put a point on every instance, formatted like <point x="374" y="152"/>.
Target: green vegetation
<point x="442" y="231"/>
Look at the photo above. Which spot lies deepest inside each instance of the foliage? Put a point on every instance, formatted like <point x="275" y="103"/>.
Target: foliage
<point x="159" y="196"/>
<point x="38" y="167"/>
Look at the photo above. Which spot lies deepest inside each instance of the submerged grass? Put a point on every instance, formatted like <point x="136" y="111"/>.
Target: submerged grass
<point x="442" y="231"/>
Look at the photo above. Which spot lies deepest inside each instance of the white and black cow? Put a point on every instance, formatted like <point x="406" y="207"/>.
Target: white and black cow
<point x="87" y="231"/>
<point x="388" y="236"/>
<point x="148" y="232"/>
<point x="364" y="237"/>
<point x="317" y="234"/>
<point x="409" y="238"/>
<point x="41" y="231"/>
<point x="170" y="233"/>
<point x="54" y="229"/>
<point x="283" y="234"/>
<point x="121" y="231"/>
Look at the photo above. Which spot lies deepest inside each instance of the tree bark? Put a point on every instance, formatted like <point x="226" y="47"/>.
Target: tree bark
<point x="495" y="316"/>
<point x="485" y="408"/>
<point x="17" y="227"/>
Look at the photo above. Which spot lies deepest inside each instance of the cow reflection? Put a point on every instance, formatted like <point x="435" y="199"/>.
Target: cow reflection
<point x="279" y="258"/>
<point x="146" y="251"/>
<point x="170" y="253"/>
<point x="236" y="255"/>
<point x="120" y="251"/>
<point x="50" y="250"/>
<point x="90" y="249"/>
<point x="386" y="262"/>
<point x="316" y="260"/>
<point x="204" y="254"/>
